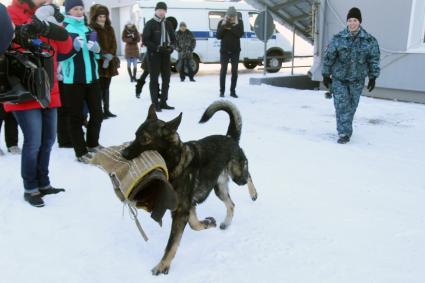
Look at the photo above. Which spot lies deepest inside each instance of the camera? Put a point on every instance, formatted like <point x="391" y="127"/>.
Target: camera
<point x="27" y="75"/>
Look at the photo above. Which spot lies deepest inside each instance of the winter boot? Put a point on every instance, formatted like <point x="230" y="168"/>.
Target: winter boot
<point x="14" y="150"/>
<point x="158" y="107"/>
<point x="49" y="190"/>
<point x="130" y="74"/>
<point x="86" y="158"/>
<point x="139" y="87"/>
<point x="34" y="199"/>
<point x="134" y="74"/>
<point x="165" y="106"/>
<point x="106" y="113"/>
<point x="343" y="139"/>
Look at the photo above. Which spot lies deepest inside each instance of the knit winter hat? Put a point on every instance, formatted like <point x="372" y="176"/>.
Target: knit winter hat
<point x="231" y="12"/>
<point x="161" y="5"/>
<point x="69" y="4"/>
<point x="183" y="24"/>
<point x="354" y="13"/>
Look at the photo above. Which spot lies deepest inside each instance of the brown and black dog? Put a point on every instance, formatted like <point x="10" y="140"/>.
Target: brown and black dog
<point x="195" y="167"/>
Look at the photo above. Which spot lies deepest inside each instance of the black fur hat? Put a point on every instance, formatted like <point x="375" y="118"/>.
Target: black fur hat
<point x="354" y="13"/>
<point x="161" y="5"/>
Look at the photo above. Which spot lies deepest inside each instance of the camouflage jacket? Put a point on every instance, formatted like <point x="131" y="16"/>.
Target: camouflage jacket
<point x="185" y="44"/>
<point x="352" y="58"/>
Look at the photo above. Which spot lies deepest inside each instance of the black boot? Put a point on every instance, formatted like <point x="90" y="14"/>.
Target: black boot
<point x="221" y="94"/>
<point x="49" y="190"/>
<point x="343" y="139"/>
<point x="139" y="87"/>
<point x="158" y="108"/>
<point x="130" y="74"/>
<point x="134" y="74"/>
<point x="233" y="94"/>
<point x="106" y="113"/>
<point x="34" y="199"/>
<point x="165" y="106"/>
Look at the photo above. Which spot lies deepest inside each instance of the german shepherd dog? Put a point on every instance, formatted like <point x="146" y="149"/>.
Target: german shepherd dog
<point x="196" y="168"/>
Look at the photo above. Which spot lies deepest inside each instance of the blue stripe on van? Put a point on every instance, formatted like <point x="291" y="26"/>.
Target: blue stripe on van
<point x="203" y="35"/>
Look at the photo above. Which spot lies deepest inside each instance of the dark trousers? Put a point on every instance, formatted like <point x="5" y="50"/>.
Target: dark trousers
<point x="64" y="136"/>
<point x="225" y="57"/>
<point x="186" y="62"/>
<point x="75" y="95"/>
<point x="10" y="127"/>
<point x="39" y="129"/>
<point x="104" y="88"/>
<point x="143" y="77"/>
<point x="159" y="64"/>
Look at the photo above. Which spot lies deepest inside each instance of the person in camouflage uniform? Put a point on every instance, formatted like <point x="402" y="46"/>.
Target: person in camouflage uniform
<point x="352" y="55"/>
<point x="185" y="45"/>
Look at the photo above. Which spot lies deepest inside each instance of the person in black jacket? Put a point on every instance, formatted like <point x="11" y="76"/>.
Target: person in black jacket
<point x="230" y="31"/>
<point x="159" y="37"/>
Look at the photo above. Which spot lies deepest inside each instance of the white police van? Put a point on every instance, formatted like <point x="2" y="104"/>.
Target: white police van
<point x="202" y="19"/>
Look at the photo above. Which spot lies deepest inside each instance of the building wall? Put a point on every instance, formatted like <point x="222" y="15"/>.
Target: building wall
<point x="399" y="28"/>
<point x="387" y="20"/>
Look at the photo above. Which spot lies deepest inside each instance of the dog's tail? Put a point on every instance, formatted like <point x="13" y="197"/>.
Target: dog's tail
<point x="235" y="125"/>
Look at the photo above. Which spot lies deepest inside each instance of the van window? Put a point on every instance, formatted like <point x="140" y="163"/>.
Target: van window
<point x="216" y="16"/>
<point x="252" y="17"/>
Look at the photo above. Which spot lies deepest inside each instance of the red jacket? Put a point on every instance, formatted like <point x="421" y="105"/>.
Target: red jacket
<point x="21" y="13"/>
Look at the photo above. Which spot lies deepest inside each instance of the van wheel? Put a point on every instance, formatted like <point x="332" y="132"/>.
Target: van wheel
<point x="274" y="61"/>
<point x="195" y="64"/>
<point x="250" y="65"/>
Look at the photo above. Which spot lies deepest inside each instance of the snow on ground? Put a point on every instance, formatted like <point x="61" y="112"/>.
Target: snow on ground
<point x="325" y="212"/>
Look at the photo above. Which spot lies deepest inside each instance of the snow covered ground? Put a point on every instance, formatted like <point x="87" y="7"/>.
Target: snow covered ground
<point x="325" y="212"/>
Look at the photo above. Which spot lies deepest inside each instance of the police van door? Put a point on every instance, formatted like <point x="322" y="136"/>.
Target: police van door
<point x="214" y="17"/>
<point x="254" y="47"/>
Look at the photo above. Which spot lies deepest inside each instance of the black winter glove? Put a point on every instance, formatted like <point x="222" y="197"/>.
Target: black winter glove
<point x="327" y="81"/>
<point x="33" y="29"/>
<point x="371" y="84"/>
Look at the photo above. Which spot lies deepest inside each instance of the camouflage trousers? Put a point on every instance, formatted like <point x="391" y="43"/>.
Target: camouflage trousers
<point x="346" y="99"/>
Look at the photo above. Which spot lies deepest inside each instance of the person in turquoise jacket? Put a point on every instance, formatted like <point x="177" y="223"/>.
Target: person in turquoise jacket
<point x="352" y="55"/>
<point x="81" y="82"/>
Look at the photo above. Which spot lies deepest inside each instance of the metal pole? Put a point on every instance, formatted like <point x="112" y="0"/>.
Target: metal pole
<point x="293" y="52"/>
<point x="265" y="41"/>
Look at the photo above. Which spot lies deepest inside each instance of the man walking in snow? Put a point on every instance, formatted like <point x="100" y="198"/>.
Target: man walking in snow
<point x="159" y="38"/>
<point x="352" y="55"/>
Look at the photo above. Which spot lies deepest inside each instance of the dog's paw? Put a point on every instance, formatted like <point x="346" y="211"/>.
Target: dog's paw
<point x="209" y="222"/>
<point x="223" y="226"/>
<point x="254" y="196"/>
<point x="160" y="269"/>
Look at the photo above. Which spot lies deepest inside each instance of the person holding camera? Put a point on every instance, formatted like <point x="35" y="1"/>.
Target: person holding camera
<point x="159" y="37"/>
<point x="108" y="62"/>
<point x="186" y="43"/>
<point x="81" y="82"/>
<point x="32" y="21"/>
<point x="131" y="37"/>
<point x="230" y="31"/>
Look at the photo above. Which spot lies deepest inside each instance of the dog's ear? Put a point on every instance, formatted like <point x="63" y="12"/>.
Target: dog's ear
<point x="152" y="113"/>
<point x="174" y="124"/>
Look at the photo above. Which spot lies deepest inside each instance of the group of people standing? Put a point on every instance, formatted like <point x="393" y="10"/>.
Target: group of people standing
<point x="85" y="61"/>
